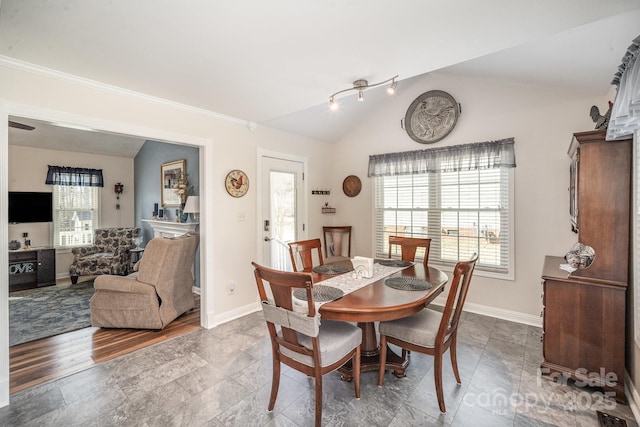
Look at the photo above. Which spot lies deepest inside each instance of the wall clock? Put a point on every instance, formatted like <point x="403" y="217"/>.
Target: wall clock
<point x="431" y="116"/>
<point x="236" y="183"/>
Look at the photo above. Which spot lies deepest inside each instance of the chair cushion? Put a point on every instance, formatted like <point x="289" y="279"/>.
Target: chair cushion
<point x="336" y="340"/>
<point x="419" y="329"/>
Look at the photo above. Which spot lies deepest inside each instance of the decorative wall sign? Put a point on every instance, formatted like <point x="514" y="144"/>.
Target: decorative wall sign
<point x="236" y="183"/>
<point x="351" y="186"/>
<point x="431" y="116"/>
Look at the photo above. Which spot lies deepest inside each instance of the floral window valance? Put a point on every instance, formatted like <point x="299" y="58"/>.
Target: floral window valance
<point x="466" y="157"/>
<point x="62" y="175"/>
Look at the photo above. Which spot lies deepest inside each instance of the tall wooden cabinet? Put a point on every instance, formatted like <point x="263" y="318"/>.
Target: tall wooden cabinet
<point x="584" y="311"/>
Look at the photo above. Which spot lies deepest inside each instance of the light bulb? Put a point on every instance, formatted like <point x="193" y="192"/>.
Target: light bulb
<point x="333" y="105"/>
<point x="392" y="89"/>
<point x="360" y="96"/>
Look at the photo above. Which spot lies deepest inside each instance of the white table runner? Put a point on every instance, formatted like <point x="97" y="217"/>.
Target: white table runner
<point x="347" y="283"/>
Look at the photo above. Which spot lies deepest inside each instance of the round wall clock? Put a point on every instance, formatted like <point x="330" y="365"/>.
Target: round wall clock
<point x="351" y="186"/>
<point x="431" y="116"/>
<point x="236" y="183"/>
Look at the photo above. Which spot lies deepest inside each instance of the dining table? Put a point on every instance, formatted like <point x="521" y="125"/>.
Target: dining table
<point x="377" y="302"/>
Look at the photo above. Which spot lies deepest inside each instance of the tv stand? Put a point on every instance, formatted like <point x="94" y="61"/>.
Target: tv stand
<point x="32" y="268"/>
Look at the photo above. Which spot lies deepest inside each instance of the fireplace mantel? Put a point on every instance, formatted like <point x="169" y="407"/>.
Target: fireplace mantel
<point x="170" y="229"/>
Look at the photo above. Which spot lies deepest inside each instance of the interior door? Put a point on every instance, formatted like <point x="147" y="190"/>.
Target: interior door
<point x="282" y="209"/>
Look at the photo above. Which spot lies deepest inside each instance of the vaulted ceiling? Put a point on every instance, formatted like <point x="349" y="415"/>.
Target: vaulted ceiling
<point x="276" y="62"/>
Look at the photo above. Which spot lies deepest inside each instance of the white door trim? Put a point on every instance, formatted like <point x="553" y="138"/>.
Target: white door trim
<point x="206" y="193"/>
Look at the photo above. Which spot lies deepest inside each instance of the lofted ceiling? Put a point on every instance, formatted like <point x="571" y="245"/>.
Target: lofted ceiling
<point x="277" y="62"/>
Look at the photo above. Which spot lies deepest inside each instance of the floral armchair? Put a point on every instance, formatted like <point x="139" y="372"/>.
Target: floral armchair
<point x="108" y="255"/>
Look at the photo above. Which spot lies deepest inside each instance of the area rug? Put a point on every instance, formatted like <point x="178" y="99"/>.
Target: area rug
<point x="44" y="312"/>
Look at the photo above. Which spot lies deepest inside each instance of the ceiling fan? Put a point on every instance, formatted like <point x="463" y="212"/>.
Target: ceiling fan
<point x="20" y="126"/>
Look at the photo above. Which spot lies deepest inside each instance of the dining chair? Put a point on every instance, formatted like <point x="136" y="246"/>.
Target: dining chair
<point x="409" y="246"/>
<point x="304" y="250"/>
<point x="333" y="250"/>
<point x="429" y="331"/>
<point x="301" y="342"/>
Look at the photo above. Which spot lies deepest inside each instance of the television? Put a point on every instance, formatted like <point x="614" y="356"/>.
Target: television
<point x="27" y="206"/>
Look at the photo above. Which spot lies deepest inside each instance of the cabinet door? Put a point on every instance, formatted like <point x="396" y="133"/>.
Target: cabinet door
<point x="46" y="267"/>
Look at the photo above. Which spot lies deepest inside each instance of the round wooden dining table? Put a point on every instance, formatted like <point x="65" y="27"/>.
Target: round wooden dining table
<point x="378" y="302"/>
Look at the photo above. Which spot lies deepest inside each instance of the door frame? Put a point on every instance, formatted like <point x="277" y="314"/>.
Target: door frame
<point x="206" y="193"/>
<point x="303" y="216"/>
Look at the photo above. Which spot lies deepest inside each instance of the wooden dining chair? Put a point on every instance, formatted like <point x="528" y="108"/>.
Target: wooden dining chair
<point x="301" y="342"/>
<point x="429" y="331"/>
<point x="304" y="250"/>
<point x="409" y="246"/>
<point x="333" y="250"/>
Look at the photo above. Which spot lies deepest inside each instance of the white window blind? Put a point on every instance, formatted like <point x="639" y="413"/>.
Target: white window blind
<point x="462" y="209"/>
<point x="75" y="215"/>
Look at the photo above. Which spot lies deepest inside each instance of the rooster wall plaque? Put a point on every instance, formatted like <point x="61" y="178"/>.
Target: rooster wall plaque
<point x="431" y="116"/>
<point x="236" y="183"/>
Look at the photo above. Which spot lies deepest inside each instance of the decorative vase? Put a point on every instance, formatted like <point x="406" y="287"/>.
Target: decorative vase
<point x="183" y="216"/>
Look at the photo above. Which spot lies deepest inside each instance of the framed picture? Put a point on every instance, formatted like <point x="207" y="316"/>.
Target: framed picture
<point x="170" y="173"/>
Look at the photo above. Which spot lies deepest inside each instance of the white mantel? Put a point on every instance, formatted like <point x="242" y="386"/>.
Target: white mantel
<point x="170" y="229"/>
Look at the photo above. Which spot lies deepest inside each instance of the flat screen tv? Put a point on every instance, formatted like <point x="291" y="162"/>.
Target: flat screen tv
<point x="30" y="207"/>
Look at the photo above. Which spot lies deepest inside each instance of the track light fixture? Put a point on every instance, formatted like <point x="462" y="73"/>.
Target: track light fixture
<point x="361" y="85"/>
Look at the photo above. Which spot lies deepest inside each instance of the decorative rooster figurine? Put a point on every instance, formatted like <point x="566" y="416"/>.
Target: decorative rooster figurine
<point x="601" y="121"/>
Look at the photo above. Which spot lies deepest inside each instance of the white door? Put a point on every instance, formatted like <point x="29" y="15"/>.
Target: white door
<point x="282" y="209"/>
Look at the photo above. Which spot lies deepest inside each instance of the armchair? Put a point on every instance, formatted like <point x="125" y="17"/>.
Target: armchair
<point x="108" y="255"/>
<point x="152" y="297"/>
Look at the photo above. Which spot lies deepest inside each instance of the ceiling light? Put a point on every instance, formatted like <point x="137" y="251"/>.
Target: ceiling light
<point x="332" y="104"/>
<point x="392" y="89"/>
<point x="361" y="85"/>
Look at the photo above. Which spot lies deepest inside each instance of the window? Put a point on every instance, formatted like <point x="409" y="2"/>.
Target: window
<point x="75" y="215"/>
<point x="464" y="210"/>
<point x="75" y="204"/>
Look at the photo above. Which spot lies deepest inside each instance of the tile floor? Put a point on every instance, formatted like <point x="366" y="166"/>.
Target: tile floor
<point x="222" y="377"/>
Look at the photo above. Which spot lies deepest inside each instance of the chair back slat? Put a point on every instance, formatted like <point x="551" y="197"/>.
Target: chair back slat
<point x="409" y="247"/>
<point x="304" y="250"/>
<point x="282" y="284"/>
<point x="455" y="300"/>
<point x="333" y="230"/>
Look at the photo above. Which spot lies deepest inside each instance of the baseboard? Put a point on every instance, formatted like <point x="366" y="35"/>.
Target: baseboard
<point x="4" y="393"/>
<point x="498" y="313"/>
<point x="632" y="396"/>
<point x="230" y="315"/>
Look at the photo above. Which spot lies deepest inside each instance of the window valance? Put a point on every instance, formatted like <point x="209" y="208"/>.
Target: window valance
<point x="62" y="175"/>
<point x="466" y="157"/>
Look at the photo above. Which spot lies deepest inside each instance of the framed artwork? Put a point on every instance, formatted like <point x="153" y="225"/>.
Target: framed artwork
<point x="170" y="173"/>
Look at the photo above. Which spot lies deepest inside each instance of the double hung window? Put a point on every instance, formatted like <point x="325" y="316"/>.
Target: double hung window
<point x="76" y="205"/>
<point x="460" y="197"/>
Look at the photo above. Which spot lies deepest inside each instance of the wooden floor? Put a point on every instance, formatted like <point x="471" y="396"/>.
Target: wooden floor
<point x="50" y="358"/>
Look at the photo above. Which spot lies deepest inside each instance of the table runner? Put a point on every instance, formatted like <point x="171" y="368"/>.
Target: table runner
<point x="349" y="282"/>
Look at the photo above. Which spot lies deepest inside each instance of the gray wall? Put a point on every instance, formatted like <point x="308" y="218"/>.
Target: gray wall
<point x="147" y="182"/>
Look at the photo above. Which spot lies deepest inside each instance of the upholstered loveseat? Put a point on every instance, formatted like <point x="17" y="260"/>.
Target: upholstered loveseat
<point x="108" y="255"/>
<point x="153" y="296"/>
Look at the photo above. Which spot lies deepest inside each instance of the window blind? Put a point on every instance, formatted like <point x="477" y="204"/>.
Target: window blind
<point x="462" y="210"/>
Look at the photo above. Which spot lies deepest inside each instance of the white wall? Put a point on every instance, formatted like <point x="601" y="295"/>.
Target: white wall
<point x="28" y="171"/>
<point x="542" y="123"/>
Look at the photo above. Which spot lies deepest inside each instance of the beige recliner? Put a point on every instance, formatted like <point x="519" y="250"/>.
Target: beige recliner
<point x="158" y="292"/>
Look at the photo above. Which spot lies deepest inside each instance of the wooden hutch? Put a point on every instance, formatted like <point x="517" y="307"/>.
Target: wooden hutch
<point x="584" y="311"/>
